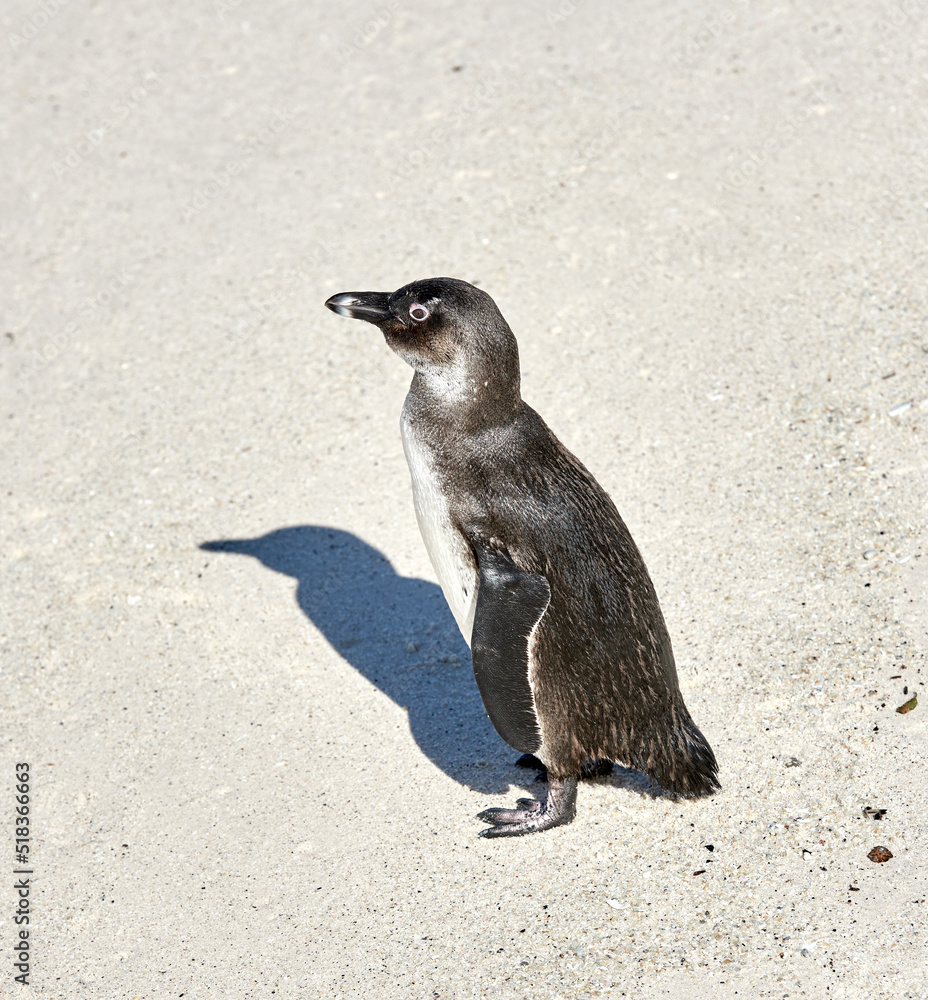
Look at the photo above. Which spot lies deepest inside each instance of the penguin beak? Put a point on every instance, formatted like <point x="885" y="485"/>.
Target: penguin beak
<point x="370" y="306"/>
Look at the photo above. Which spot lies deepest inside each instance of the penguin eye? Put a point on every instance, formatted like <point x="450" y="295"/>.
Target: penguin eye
<point x="418" y="312"/>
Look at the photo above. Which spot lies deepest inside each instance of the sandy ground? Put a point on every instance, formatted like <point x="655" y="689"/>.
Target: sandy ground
<point x="256" y="768"/>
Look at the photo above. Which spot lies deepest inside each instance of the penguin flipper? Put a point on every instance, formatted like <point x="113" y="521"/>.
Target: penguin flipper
<point x="510" y="603"/>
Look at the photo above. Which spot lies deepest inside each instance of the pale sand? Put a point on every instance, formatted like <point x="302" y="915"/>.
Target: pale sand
<point x="257" y="775"/>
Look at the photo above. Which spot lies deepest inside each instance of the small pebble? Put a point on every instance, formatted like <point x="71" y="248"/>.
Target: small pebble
<point x="412" y="647"/>
<point x="880" y="854"/>
<point x="870" y="554"/>
<point x="792" y="762"/>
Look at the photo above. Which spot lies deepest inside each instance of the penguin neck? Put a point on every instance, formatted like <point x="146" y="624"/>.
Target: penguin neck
<point x="469" y="398"/>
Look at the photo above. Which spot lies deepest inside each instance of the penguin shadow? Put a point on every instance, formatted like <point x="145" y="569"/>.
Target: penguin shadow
<point x="629" y="779"/>
<point x="398" y="633"/>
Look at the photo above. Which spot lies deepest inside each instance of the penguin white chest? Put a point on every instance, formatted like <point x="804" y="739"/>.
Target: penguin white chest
<point x="448" y="550"/>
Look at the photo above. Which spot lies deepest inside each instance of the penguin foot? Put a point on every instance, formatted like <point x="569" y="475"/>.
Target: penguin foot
<point x="532" y="816"/>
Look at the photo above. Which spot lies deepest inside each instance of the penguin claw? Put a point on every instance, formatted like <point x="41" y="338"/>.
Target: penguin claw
<point x="533" y="816"/>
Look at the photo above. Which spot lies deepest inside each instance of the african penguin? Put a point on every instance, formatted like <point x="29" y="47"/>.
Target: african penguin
<point x="570" y="650"/>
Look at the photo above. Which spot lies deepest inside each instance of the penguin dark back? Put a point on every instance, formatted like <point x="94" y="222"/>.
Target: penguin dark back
<point x="570" y="651"/>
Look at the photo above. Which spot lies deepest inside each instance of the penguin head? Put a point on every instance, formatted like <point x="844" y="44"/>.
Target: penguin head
<point x="448" y="330"/>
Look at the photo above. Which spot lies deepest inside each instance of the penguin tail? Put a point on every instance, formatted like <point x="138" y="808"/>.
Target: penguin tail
<point x="678" y="757"/>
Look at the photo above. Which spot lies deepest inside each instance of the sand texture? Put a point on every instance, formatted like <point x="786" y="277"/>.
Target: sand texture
<point x="256" y="767"/>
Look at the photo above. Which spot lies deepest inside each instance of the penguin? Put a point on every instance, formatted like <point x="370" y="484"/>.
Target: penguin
<point x="570" y="651"/>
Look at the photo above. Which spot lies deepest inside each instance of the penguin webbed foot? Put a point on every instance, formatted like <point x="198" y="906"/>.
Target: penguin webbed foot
<point x="532" y="815"/>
